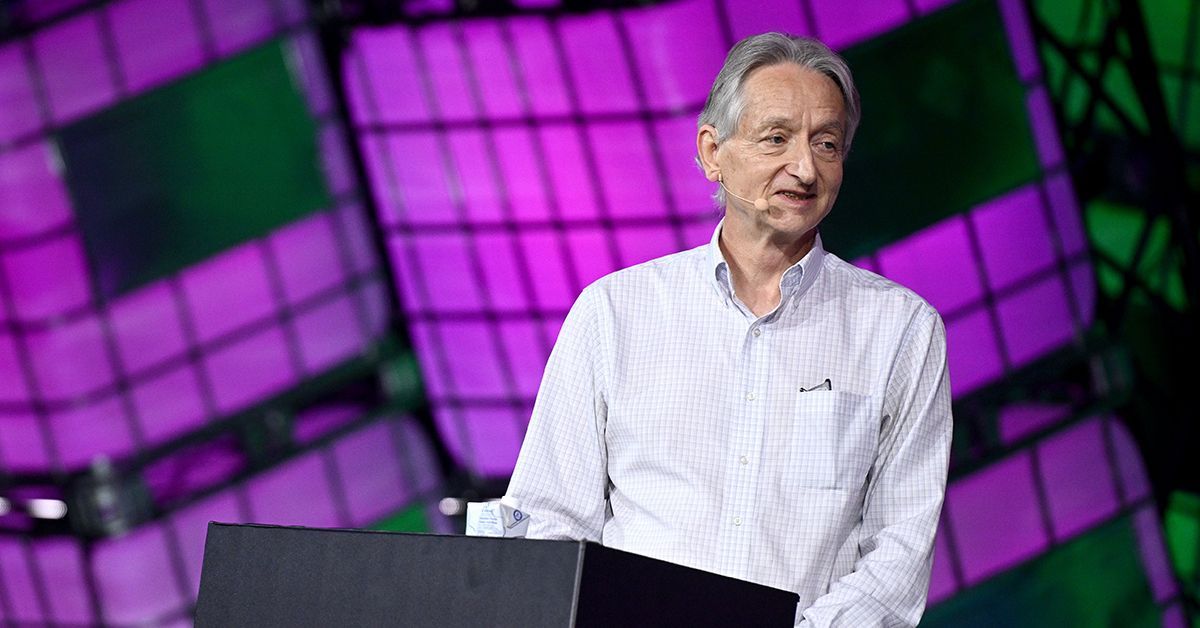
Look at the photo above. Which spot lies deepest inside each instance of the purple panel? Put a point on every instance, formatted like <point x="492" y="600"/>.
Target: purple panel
<point x="13" y="386"/>
<point x="134" y="577"/>
<point x="147" y="327"/>
<point x="552" y="285"/>
<point x="501" y="274"/>
<point x="699" y="232"/>
<point x="1020" y="39"/>
<point x="426" y="339"/>
<point x="476" y="173"/>
<point x="378" y="165"/>
<point x="86" y="432"/>
<point x="295" y="493"/>
<point x="867" y="262"/>
<point x="1131" y="471"/>
<point x="228" y="291"/>
<point x="249" y="370"/>
<point x="1083" y="283"/>
<point x="496" y="434"/>
<point x="194" y="469"/>
<point x="48" y="279"/>
<point x="357" y="238"/>
<point x="519" y="165"/>
<point x="170" y="404"/>
<point x="335" y="160"/>
<point x="476" y="367"/>
<point x="591" y="254"/>
<point x="236" y="24"/>
<point x="370" y="473"/>
<point x="1021" y="420"/>
<point x="598" y="71"/>
<point x="840" y="24"/>
<point x="447" y="74"/>
<point x="1036" y="320"/>
<point x="292" y="12"/>
<point x="573" y="183"/>
<point x="752" y="18"/>
<point x="313" y="423"/>
<point x="527" y="352"/>
<point x="18" y="581"/>
<point x="941" y="580"/>
<point x="996" y="518"/>
<point x="307" y="254"/>
<point x="1014" y="239"/>
<point x="538" y="62"/>
<point x="156" y="40"/>
<point x="1079" y="485"/>
<point x="426" y="195"/>
<point x="625" y="167"/>
<point x="376" y="304"/>
<point x="22" y="447"/>
<point x="382" y="78"/>
<point x="640" y="244"/>
<point x="61" y="564"/>
<point x="1173" y="617"/>
<point x="936" y="263"/>
<point x="34" y="197"/>
<point x="1045" y="135"/>
<point x="329" y="334"/>
<point x="692" y="193"/>
<point x="492" y="66"/>
<point x="453" y="434"/>
<point x="1154" y="554"/>
<point x="422" y="464"/>
<point x="1066" y="214"/>
<point x="18" y="103"/>
<point x="675" y="76"/>
<point x="70" y="359"/>
<point x="927" y="6"/>
<point x="191" y="528"/>
<point x="445" y="258"/>
<point x="73" y="62"/>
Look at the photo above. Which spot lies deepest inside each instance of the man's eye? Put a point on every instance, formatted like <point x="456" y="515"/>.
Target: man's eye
<point x="776" y="139"/>
<point x="828" y="147"/>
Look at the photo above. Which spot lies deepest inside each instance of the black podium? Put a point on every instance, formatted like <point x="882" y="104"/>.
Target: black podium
<point x="264" y="576"/>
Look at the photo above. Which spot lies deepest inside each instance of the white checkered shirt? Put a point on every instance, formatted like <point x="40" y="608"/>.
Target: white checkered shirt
<point x="673" y="423"/>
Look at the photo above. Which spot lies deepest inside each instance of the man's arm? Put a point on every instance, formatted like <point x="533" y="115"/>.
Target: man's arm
<point x="561" y="477"/>
<point x="904" y="498"/>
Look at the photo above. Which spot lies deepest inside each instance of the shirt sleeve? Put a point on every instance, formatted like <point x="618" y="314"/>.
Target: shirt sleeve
<point x="561" y="477"/>
<point x="890" y="580"/>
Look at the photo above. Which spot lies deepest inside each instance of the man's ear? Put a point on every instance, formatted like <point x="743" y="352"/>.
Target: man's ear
<point x="706" y="152"/>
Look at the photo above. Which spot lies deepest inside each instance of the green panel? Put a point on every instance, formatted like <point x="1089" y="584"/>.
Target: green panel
<point x="1167" y="26"/>
<point x="1114" y="229"/>
<point x="1182" y="523"/>
<point x="1095" y="580"/>
<point x="944" y="128"/>
<point x="411" y="519"/>
<point x="171" y="177"/>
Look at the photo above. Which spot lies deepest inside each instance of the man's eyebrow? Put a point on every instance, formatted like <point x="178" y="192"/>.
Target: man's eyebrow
<point x="776" y="122"/>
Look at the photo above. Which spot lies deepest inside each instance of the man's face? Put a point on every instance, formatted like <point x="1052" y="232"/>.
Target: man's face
<point x="788" y="149"/>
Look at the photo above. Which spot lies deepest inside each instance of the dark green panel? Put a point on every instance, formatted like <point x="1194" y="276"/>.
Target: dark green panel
<point x="1095" y="580"/>
<point x="169" y="178"/>
<point x="411" y="519"/>
<point x="944" y="128"/>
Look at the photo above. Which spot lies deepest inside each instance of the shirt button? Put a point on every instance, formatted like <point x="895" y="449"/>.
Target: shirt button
<point x="751" y="396"/>
<point x="757" y="332"/>
<point x="737" y="521"/>
<point x="744" y="460"/>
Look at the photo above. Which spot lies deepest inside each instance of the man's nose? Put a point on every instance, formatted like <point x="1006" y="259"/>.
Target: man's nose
<point x="801" y="164"/>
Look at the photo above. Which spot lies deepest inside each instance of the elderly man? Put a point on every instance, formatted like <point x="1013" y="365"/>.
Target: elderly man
<point x="755" y="407"/>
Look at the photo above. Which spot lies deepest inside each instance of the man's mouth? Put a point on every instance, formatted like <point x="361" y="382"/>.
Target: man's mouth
<point x="796" y="196"/>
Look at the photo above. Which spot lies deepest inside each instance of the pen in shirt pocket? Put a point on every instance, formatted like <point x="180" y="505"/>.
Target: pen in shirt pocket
<point x="825" y="385"/>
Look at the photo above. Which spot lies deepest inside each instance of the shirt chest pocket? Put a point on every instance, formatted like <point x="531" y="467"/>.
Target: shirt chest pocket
<point x="834" y="436"/>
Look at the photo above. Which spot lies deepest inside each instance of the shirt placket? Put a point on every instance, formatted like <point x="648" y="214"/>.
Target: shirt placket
<point x="740" y="518"/>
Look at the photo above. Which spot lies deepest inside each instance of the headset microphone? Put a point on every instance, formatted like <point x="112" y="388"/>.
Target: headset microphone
<point x="759" y="204"/>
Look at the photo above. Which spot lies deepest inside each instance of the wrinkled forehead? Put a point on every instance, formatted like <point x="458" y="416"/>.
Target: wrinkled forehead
<point x="787" y="94"/>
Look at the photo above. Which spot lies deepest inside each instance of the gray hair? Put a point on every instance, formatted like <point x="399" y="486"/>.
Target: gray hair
<point x="725" y="104"/>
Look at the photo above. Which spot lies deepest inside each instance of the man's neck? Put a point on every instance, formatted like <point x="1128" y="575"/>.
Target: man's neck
<point x="757" y="262"/>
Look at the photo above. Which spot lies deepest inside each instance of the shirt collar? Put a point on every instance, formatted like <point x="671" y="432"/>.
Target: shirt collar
<point x="795" y="281"/>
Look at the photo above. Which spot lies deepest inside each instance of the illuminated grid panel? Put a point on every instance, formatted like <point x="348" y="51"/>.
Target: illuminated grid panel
<point x="1039" y="498"/>
<point x="514" y="161"/>
<point x="151" y="575"/>
<point x="84" y="376"/>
